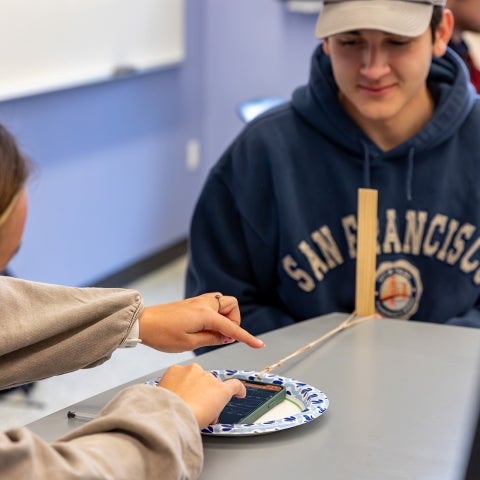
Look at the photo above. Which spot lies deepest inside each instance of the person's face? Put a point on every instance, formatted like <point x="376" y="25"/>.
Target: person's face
<point x="466" y="14"/>
<point x="11" y="231"/>
<point x="381" y="77"/>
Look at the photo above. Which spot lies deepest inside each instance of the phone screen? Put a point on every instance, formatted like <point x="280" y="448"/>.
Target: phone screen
<point x="260" y="398"/>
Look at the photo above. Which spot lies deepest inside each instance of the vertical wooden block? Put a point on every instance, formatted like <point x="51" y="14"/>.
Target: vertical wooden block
<point x="366" y="252"/>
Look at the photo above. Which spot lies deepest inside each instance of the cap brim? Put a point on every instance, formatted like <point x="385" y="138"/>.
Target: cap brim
<point x="399" y="17"/>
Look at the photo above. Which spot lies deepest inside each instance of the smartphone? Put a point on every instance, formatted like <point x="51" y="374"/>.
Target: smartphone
<point x="260" y="398"/>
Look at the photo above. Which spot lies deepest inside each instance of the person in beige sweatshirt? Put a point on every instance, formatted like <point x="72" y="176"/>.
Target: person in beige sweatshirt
<point x="144" y="432"/>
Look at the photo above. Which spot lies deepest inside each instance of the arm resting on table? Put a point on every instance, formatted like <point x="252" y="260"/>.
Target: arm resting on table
<point x="144" y="432"/>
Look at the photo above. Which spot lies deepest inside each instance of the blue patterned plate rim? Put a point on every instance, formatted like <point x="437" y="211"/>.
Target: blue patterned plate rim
<point x="315" y="403"/>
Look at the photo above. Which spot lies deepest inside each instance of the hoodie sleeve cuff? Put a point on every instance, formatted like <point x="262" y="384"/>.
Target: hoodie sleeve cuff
<point x="132" y="337"/>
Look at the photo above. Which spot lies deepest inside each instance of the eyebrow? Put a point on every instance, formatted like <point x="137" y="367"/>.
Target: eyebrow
<point x="359" y="32"/>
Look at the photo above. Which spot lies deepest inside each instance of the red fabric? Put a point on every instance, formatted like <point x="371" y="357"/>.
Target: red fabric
<point x="474" y="72"/>
<point x="460" y="47"/>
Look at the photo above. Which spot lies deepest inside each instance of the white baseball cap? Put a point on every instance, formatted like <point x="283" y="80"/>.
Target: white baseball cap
<point x="409" y="18"/>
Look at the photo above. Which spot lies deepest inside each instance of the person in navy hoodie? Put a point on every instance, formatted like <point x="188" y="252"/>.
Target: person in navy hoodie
<point x="388" y="106"/>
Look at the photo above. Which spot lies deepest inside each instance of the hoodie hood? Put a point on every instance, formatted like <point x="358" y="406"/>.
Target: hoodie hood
<point x="318" y="104"/>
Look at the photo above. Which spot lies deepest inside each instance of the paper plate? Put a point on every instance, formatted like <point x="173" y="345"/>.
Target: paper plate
<point x="303" y="403"/>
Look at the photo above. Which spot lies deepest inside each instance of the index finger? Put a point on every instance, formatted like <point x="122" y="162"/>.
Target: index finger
<point x="230" y="329"/>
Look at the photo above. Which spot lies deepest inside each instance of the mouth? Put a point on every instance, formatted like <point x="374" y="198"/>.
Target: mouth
<point x="376" y="90"/>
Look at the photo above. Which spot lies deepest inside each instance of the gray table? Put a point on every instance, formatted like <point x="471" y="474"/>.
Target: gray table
<point x="402" y="401"/>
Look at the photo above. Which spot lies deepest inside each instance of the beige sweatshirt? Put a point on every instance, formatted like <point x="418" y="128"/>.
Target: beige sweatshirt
<point x="144" y="432"/>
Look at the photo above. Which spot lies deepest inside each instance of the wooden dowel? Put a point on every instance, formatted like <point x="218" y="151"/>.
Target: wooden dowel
<point x="351" y="320"/>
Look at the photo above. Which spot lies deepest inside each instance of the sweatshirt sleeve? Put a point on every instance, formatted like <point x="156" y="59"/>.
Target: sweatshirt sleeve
<point x="144" y="432"/>
<point x="227" y="254"/>
<point x="469" y="319"/>
<point x="50" y="329"/>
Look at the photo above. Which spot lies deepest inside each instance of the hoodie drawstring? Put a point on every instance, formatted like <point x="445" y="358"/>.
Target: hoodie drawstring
<point x="409" y="176"/>
<point x="366" y="165"/>
<point x="409" y="179"/>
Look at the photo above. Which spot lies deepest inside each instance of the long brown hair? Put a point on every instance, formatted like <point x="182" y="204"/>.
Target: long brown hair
<point x="14" y="169"/>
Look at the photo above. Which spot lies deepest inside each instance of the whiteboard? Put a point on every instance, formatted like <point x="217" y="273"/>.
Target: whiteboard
<point x="48" y="45"/>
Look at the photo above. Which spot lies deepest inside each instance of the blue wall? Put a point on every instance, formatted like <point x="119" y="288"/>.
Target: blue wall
<point x="111" y="185"/>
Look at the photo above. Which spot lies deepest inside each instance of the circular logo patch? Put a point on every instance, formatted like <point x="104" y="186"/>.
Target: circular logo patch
<point x="398" y="289"/>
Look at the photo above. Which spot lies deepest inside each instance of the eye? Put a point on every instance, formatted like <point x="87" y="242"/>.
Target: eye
<point x="349" y="41"/>
<point x="399" y="41"/>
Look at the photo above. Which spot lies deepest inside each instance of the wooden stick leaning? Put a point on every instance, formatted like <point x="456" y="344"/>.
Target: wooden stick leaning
<point x="349" y="322"/>
<point x="365" y="273"/>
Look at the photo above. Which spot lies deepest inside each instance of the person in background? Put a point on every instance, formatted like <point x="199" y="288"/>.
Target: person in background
<point x="388" y="107"/>
<point x="144" y="432"/>
<point x="466" y="14"/>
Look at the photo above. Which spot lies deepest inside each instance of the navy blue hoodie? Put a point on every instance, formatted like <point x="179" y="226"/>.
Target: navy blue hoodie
<point x="275" y="224"/>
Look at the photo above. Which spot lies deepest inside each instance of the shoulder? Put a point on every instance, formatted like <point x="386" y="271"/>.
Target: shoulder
<point x="472" y="121"/>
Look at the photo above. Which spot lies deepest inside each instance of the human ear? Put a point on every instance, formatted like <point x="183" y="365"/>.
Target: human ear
<point x="325" y="46"/>
<point x="443" y="34"/>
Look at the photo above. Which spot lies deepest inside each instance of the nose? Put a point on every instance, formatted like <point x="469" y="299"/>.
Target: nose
<point x="374" y="62"/>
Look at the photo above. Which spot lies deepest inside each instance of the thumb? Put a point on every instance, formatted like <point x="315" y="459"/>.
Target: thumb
<point x="236" y="387"/>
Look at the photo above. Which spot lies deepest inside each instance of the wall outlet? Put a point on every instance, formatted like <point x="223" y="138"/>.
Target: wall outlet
<point x="192" y="154"/>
